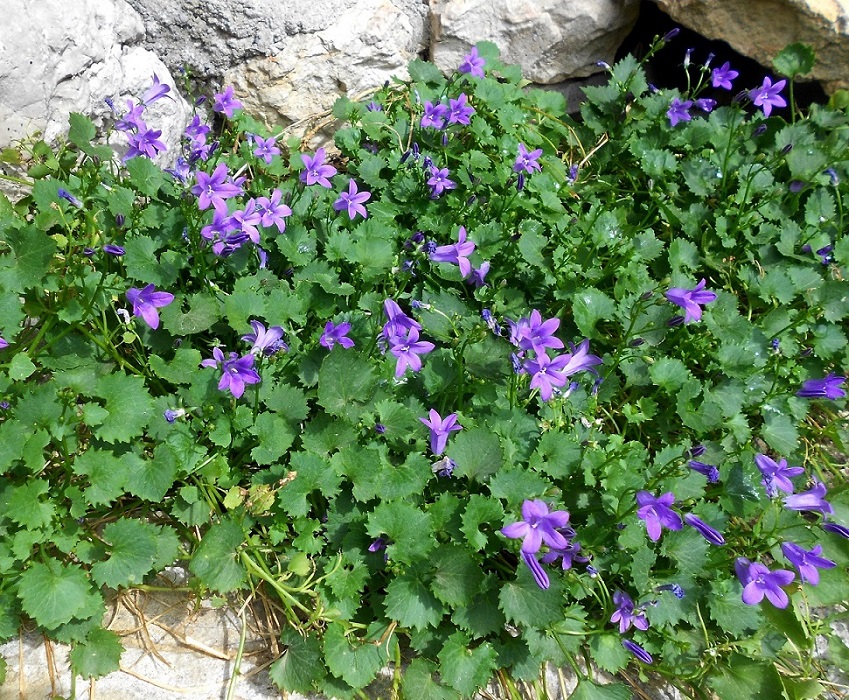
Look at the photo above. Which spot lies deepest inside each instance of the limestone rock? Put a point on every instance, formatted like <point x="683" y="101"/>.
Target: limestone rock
<point x="58" y="57"/>
<point x="761" y="28"/>
<point x="551" y="40"/>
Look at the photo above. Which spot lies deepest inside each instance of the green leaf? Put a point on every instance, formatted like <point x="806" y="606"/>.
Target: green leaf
<point x="346" y="380"/>
<point x="417" y="682"/>
<point x="129" y="405"/>
<point x="477" y="453"/>
<point x="107" y="475"/>
<point x="587" y="690"/>
<point x="132" y="551"/>
<point x="424" y="72"/>
<point x="457" y="578"/>
<point x="300" y="667"/>
<point x="33" y="251"/>
<point x="313" y="474"/>
<point x="464" y="669"/>
<point x="608" y="653"/>
<point x="26" y="508"/>
<point x="589" y="307"/>
<point x="356" y="665"/>
<point x="481" y="511"/>
<point x="795" y="59"/>
<point x="150" y="479"/>
<point x="410" y="602"/>
<point x="524" y="603"/>
<point x="275" y="438"/>
<point x="742" y="678"/>
<point x="21" y="367"/>
<point x="142" y="263"/>
<point x="53" y="593"/>
<point x="204" y="310"/>
<point x="729" y="611"/>
<point x="145" y="175"/>
<point x="215" y="561"/>
<point x="98" y="655"/>
<point x="409" y="529"/>
<point x="780" y="433"/>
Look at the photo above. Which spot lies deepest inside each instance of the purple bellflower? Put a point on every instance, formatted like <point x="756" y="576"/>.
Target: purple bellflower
<point x="626" y="615"/>
<point x="407" y="351"/>
<point x="767" y="95"/>
<point x="691" y="300"/>
<point x="711" y="534"/>
<point x="679" y="111"/>
<point x="317" y="171"/>
<point x="222" y="224"/>
<point x="215" y="187"/>
<point x="472" y="64"/>
<point x="398" y="324"/>
<point x="170" y="415"/>
<point x="156" y="91"/>
<point x="132" y="120"/>
<point x="538" y="526"/>
<point x="3" y="343"/>
<point x="196" y="131"/>
<point x="479" y="274"/>
<point x="246" y="220"/>
<point x="434" y="115"/>
<point x="721" y="77"/>
<point x="825" y="388"/>
<point x="146" y="302"/>
<point x="272" y="212"/>
<point x="225" y="103"/>
<point x="709" y="470"/>
<point x="567" y="554"/>
<point x="265" y="342"/>
<point x="439" y="181"/>
<point x="705" y="104"/>
<point x="440" y="429"/>
<point x="532" y="333"/>
<point x="657" y="513"/>
<point x="115" y="250"/>
<point x="526" y="161"/>
<point x="637" y="651"/>
<point x="811" y="500"/>
<point x="266" y="148"/>
<point x="540" y="577"/>
<point x="837" y="529"/>
<point x="459" y="111"/>
<point x="579" y="360"/>
<point x="546" y="374"/>
<point x="776" y="475"/>
<point x="457" y="253"/>
<point x="336" y="334"/>
<point x="236" y="371"/>
<point x="68" y="197"/>
<point x="808" y="562"/>
<point x="353" y="201"/>
<point x="758" y="581"/>
<point x="144" y="143"/>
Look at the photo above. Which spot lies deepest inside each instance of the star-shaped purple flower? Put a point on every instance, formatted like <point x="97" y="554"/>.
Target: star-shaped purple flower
<point x="146" y="302"/>
<point x="457" y="253"/>
<point x="776" y="475"/>
<point x="317" y="171"/>
<point x="434" y="115"/>
<point x="336" y="334"/>
<point x="440" y="429"/>
<point x="691" y="300"/>
<point x="758" y="581"/>
<point x="225" y="102"/>
<point x="626" y="615"/>
<point x="272" y="213"/>
<point x="679" y="111"/>
<point x="657" y="513"/>
<point x="810" y="500"/>
<point x="472" y="64"/>
<point x="767" y="95"/>
<point x="214" y="188"/>
<point x="459" y="111"/>
<point x="826" y="388"/>
<point x="808" y="562"/>
<point x="265" y="342"/>
<point x="353" y="201"/>
<point x="439" y="181"/>
<point x="538" y="526"/>
<point x="236" y="371"/>
<point x="721" y="77"/>
<point x="407" y="350"/>
<point x="266" y="148"/>
<point x="527" y="162"/>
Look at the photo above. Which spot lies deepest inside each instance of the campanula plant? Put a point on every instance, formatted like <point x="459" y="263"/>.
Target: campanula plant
<point x="475" y="388"/>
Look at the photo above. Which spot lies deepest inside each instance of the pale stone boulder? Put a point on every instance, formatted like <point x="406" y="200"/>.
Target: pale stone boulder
<point x="761" y="28"/>
<point x="552" y="40"/>
<point x="58" y="57"/>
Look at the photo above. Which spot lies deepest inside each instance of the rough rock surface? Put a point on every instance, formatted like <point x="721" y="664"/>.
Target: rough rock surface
<point x="58" y="57"/>
<point x="552" y="40"/>
<point x="763" y="27"/>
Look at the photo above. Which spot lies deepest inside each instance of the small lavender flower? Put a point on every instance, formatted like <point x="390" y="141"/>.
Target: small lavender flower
<point x="479" y="274"/>
<point x="538" y="526"/>
<point x="776" y="475"/>
<point x="196" y="131"/>
<point x="3" y="343"/>
<point x="527" y="161"/>
<point x="656" y="513"/>
<point x="171" y="415"/>
<point x="721" y="77"/>
<point x="146" y="302"/>
<point x="272" y="213"/>
<point x="708" y="470"/>
<point x="156" y="91"/>
<point x="675" y="588"/>
<point x="68" y="197"/>
<point x="236" y="371"/>
<point x="459" y="111"/>
<point x="711" y="534"/>
<point x="439" y="181"/>
<point x="457" y="253"/>
<point x="214" y="188"/>
<point x="472" y="64"/>
<point x="266" y="148"/>
<point x="705" y="104"/>
<point x="637" y="651"/>
<point x="225" y="103"/>
<point x="353" y="201"/>
<point x="434" y="117"/>
<point x="374" y="106"/>
<point x="440" y="429"/>
<point x="317" y="171"/>
<point x="758" y="581"/>
<point x="836" y="529"/>
<point x="691" y="300"/>
<point x="807" y="561"/>
<point x="826" y="388"/>
<point x="532" y="333"/>
<point x="679" y="111"/>
<point x="265" y="342"/>
<point x="626" y="615"/>
<point x="407" y="351"/>
<point x="810" y="500"/>
<point x="377" y="545"/>
<point x="144" y="143"/>
<point x="132" y="119"/>
<point x="336" y="334"/>
<point x="246" y="220"/>
<point x="540" y="577"/>
<point x="825" y="254"/>
<point x="115" y="250"/>
<point x="767" y="95"/>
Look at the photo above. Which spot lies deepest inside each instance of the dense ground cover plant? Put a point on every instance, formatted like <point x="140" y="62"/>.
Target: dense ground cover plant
<point x="491" y="388"/>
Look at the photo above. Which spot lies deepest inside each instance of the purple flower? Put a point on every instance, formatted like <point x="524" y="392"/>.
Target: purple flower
<point x="709" y="470"/>
<point x="579" y="360"/>
<point x="215" y="188"/>
<point x="156" y="91"/>
<point x="679" y="111"/>
<point x="222" y="224"/>
<point x="443" y="467"/>
<point x="434" y="115"/>
<point x="807" y="561"/>
<point x="459" y="112"/>
<point x="272" y="212"/>
<point x="439" y="182"/>
<point x="266" y="148"/>
<point x="374" y="106"/>
<point x="532" y="333"/>
<point x="540" y="577"/>
<point x="115" y="250"/>
<point x="811" y="500"/>
<point x="265" y="342"/>
<point x="538" y="527"/>
<point x="758" y="581"/>
<point x="457" y="253"/>
<point x="246" y="220"/>
<point x="407" y="350"/>
<point x="637" y="651"/>
<point x="440" y="429"/>
<point x="3" y="343"/>
<point x="317" y="171"/>
<point x="352" y="200"/>
<point x="398" y="323"/>
<point x="336" y="334"/>
<point x="144" y="143"/>
<point x="825" y="254"/>
<point x="657" y="513"/>
<point x="479" y="274"/>
<point x="171" y="415"/>
<point x="567" y="554"/>
<point x="697" y="450"/>
<point x="721" y="77"/>
<point x="712" y="535"/>
<point x="472" y="64"/>
<point x="146" y="302"/>
<point x="675" y="588"/>
<point x="68" y="197"/>
<point x="132" y="120"/>
<point x="625" y="614"/>
<point x="236" y="371"/>
<point x="691" y="300"/>
<point x="377" y="545"/>
<point x="225" y="102"/>
<point x="527" y="161"/>
<point x="197" y="131"/>
<point x="837" y="529"/>
<point x="776" y="475"/>
<point x="826" y="388"/>
<point x="181" y="169"/>
<point x="706" y="104"/>
<point x="766" y="96"/>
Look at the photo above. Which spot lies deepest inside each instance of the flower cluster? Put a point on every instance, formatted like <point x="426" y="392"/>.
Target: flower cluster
<point x="400" y="334"/>
<point x="143" y="140"/>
